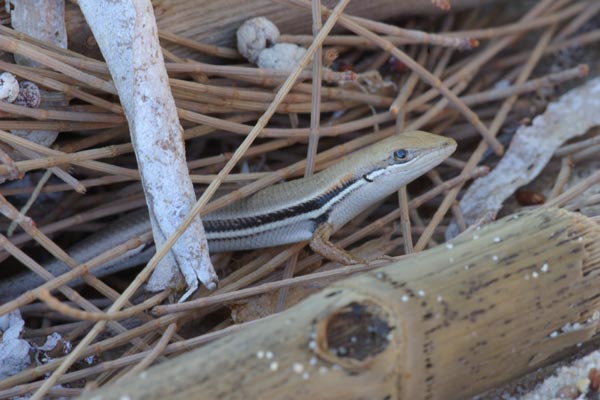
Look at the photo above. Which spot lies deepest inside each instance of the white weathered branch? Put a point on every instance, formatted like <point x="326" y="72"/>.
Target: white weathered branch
<point x="127" y="35"/>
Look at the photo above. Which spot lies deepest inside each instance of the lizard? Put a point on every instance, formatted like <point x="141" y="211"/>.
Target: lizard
<point x="306" y="209"/>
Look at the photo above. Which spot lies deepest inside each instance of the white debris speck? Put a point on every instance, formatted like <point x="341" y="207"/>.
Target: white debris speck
<point x="405" y="298"/>
<point x="255" y="35"/>
<point x="534" y="274"/>
<point x="312" y="345"/>
<point x="89" y="360"/>
<point x="466" y="267"/>
<point x="502" y="84"/>
<point x="421" y="293"/>
<point x="475" y="237"/>
<point x="449" y="246"/>
<point x="260" y="354"/>
<point x="305" y="376"/>
<point x="274" y="366"/>
<point x="583" y="385"/>
<point x="353" y="339"/>
<point x="9" y="87"/>
<point x="554" y="334"/>
<point x="439" y="299"/>
<point x="282" y="56"/>
<point x="51" y="342"/>
<point x="298" y="368"/>
<point x="580" y="239"/>
<point x="379" y="275"/>
<point x="495" y="257"/>
<point x="14" y="351"/>
<point x="313" y="361"/>
<point x="67" y="346"/>
<point x="545" y="267"/>
<point x="143" y="375"/>
<point x="497" y="239"/>
<point x="268" y="355"/>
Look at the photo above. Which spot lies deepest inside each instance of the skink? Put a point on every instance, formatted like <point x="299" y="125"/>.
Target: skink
<point x="310" y="208"/>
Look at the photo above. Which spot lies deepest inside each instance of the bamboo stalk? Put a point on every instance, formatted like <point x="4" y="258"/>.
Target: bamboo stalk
<point x="447" y="323"/>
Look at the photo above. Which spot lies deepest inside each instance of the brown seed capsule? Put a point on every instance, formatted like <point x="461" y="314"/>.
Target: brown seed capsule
<point x="529" y="198"/>
<point x="594" y="380"/>
<point x="29" y="95"/>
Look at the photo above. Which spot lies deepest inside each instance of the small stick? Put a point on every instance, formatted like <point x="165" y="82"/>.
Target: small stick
<point x="521" y="26"/>
<point x="34" y="76"/>
<point x="571" y="148"/>
<point x="566" y="167"/>
<point x="173" y="58"/>
<point x="211" y="50"/>
<point x="158" y="349"/>
<point x="578" y="41"/>
<point x="16" y="46"/>
<point x="221" y="299"/>
<point x="578" y="21"/>
<point x="242" y="129"/>
<point x="574" y="191"/>
<point x="41" y="114"/>
<point x="30" y="200"/>
<point x="59" y="172"/>
<point x="12" y="171"/>
<point x="288" y="273"/>
<point x="315" y="114"/>
<point x="591" y="151"/>
<point x="63" y="126"/>
<point x="407" y="89"/>
<point x="53" y="303"/>
<point x="529" y="86"/>
<point x="405" y="220"/>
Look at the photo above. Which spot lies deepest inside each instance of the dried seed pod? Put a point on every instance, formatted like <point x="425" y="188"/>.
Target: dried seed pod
<point x="254" y="36"/>
<point x="29" y="95"/>
<point x="529" y="198"/>
<point x="9" y="87"/>
<point x="282" y="56"/>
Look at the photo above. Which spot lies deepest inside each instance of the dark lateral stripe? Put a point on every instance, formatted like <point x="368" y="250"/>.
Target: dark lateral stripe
<point x="227" y="225"/>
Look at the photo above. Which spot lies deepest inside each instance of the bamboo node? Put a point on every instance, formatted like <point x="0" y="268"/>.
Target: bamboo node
<point x="353" y="335"/>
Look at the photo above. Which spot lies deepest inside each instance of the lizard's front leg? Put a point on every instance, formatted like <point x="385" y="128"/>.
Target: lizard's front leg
<point x="320" y="244"/>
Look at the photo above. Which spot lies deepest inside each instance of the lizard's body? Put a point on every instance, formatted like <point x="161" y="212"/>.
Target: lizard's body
<point x="309" y="208"/>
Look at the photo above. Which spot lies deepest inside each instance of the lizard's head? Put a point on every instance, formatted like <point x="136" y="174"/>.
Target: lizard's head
<point x="399" y="159"/>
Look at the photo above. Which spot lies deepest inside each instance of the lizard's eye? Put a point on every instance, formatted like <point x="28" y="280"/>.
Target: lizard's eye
<point x="401" y="155"/>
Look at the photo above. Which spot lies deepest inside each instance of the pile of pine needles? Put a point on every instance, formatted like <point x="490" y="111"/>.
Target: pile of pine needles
<point x="469" y="81"/>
